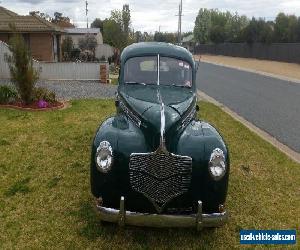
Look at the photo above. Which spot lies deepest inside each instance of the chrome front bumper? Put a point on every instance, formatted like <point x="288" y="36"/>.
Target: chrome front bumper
<point x="198" y="220"/>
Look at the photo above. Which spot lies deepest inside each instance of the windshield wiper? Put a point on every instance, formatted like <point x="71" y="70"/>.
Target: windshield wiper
<point x="140" y="83"/>
<point x="181" y="86"/>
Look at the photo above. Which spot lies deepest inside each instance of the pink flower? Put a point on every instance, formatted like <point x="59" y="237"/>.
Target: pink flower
<point x="42" y="104"/>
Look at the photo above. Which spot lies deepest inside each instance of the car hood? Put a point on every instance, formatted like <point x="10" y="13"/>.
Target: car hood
<point x="143" y="97"/>
<point x="143" y="100"/>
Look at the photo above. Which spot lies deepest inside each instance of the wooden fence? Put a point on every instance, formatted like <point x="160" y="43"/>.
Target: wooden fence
<point x="285" y="52"/>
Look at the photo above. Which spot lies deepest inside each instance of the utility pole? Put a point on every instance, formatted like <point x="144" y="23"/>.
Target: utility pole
<point x="86" y="13"/>
<point x="179" y="21"/>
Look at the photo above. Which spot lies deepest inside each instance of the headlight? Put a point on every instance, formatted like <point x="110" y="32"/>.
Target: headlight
<point x="104" y="157"/>
<point x="217" y="164"/>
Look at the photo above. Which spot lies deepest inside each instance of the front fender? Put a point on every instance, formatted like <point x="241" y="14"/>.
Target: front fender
<point x="124" y="138"/>
<point x="198" y="141"/>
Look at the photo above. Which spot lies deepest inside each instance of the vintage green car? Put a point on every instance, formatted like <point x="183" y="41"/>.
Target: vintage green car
<point x="154" y="163"/>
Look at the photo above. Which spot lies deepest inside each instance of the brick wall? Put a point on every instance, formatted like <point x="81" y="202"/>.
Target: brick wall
<point x="41" y="46"/>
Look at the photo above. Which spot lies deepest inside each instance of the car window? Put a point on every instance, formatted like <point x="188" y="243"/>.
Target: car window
<point x="144" y="70"/>
<point x="175" y="72"/>
<point x="141" y="70"/>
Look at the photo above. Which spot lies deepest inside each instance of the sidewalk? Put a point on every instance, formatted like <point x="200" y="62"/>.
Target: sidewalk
<point x="288" y="70"/>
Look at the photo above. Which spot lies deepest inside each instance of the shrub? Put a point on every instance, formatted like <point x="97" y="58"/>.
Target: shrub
<point x="75" y="54"/>
<point x="43" y="94"/>
<point x="23" y="75"/>
<point x="7" y="95"/>
<point x="67" y="46"/>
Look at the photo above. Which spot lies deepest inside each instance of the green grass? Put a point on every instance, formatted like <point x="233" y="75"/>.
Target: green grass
<point x="114" y="81"/>
<point x="45" y="199"/>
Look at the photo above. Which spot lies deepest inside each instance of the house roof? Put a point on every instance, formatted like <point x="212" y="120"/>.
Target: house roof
<point x="25" y="23"/>
<point x="82" y="30"/>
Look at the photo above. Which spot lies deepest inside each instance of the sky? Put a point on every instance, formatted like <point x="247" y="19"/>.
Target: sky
<point x="149" y="15"/>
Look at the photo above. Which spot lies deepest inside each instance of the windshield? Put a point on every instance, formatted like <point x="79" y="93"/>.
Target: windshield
<point x="143" y="70"/>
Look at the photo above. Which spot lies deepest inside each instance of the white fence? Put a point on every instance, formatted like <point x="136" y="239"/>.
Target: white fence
<point x="56" y="70"/>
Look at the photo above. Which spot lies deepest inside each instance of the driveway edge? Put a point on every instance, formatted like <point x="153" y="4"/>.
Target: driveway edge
<point x="269" y="138"/>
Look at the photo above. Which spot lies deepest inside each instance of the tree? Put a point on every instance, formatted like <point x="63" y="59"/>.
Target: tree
<point x="67" y="46"/>
<point x="298" y="30"/>
<point x="281" y="32"/>
<point x="234" y="27"/>
<point x="202" y="26"/>
<point x="113" y="35"/>
<point x="148" y="37"/>
<point x="165" y="37"/>
<point x="116" y="15"/>
<point x="126" y="19"/>
<point x="138" y="37"/>
<point x="292" y="29"/>
<point x="258" y="31"/>
<point x="58" y="19"/>
<point x="22" y="72"/>
<point x="97" y="23"/>
<point x="42" y="15"/>
<point x="89" y="42"/>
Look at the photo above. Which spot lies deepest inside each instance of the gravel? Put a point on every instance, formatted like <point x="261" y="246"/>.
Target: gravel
<point x="66" y="90"/>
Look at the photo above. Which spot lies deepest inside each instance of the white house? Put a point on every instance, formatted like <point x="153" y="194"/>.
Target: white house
<point x="101" y="50"/>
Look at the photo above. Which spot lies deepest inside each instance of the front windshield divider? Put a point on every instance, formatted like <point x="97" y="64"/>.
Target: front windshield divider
<point x="158" y="66"/>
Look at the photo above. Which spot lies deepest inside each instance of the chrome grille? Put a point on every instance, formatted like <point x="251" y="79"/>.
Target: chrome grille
<point x="160" y="176"/>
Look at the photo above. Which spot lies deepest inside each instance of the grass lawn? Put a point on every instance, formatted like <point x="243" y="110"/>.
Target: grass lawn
<point x="45" y="199"/>
<point x="114" y="81"/>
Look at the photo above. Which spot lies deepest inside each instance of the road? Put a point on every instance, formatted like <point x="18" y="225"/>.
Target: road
<point x="271" y="104"/>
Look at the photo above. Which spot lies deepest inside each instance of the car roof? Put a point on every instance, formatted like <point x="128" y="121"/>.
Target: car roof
<point x="154" y="48"/>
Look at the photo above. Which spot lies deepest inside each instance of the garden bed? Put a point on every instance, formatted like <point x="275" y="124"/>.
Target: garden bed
<point x="34" y="106"/>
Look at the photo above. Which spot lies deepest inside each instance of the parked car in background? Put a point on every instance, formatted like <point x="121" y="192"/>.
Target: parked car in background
<point x="154" y="163"/>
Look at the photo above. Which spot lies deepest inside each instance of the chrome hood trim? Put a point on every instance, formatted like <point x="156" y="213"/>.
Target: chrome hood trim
<point x="162" y="145"/>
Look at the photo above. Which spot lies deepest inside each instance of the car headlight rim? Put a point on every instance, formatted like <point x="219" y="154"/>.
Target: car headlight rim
<point x="104" y="157"/>
<point x="217" y="164"/>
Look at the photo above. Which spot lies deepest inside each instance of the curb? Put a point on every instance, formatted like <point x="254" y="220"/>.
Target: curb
<point x="269" y="138"/>
<point x="280" y="77"/>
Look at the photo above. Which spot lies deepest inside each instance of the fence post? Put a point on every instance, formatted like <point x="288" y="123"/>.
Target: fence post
<point x="103" y="73"/>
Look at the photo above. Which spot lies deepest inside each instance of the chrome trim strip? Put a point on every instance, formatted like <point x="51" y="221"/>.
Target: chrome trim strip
<point x="197" y="221"/>
<point x="158" y="68"/>
<point x="188" y="118"/>
<point x="162" y="145"/>
<point x="130" y="114"/>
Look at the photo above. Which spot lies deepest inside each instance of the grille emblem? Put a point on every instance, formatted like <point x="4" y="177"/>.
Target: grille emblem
<point x="160" y="176"/>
